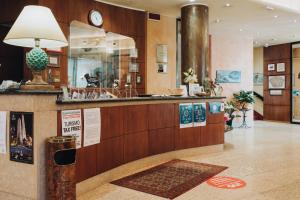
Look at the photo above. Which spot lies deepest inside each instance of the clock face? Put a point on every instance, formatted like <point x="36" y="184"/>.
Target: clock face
<point x="95" y="18"/>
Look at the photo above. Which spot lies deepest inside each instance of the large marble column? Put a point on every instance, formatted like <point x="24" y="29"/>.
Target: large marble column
<point x="195" y="40"/>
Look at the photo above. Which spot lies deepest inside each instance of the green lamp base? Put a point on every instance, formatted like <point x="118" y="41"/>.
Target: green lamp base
<point x="37" y="61"/>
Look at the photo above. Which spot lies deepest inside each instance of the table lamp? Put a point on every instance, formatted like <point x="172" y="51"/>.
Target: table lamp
<point x="37" y="28"/>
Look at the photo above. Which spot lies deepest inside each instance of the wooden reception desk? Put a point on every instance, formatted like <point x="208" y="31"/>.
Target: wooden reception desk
<point x="131" y="129"/>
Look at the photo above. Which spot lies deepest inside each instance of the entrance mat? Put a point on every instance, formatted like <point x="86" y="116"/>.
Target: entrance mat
<point x="171" y="179"/>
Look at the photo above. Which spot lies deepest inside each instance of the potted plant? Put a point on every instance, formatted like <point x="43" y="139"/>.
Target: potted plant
<point x="190" y="76"/>
<point x="243" y="99"/>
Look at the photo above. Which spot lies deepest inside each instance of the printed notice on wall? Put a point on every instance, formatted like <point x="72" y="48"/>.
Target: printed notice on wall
<point x="3" y="132"/>
<point x="186" y="115"/>
<point x="92" y="126"/>
<point x="199" y="114"/>
<point x="71" y="124"/>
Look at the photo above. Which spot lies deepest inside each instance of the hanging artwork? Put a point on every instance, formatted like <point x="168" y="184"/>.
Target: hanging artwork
<point x="258" y="79"/>
<point x="227" y="76"/>
<point x="186" y="115"/>
<point x="21" y="137"/>
<point x="199" y="114"/>
<point x="215" y="107"/>
<point x="276" y="82"/>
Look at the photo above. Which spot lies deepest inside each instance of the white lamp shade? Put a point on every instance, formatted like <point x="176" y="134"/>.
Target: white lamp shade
<point x="36" y="22"/>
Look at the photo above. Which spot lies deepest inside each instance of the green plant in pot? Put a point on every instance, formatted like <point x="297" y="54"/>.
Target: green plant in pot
<point x="243" y="99"/>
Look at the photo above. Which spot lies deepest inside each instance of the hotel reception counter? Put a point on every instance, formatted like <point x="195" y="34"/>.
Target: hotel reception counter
<point x="131" y="129"/>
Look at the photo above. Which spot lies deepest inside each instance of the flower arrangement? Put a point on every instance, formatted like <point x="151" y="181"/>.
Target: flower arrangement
<point x="190" y="76"/>
<point x="230" y="108"/>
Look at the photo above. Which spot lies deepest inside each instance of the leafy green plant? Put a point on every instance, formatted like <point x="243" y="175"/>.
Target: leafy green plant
<point x="243" y="99"/>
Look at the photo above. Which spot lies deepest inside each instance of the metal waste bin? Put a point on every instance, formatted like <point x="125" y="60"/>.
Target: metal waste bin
<point x="61" y="170"/>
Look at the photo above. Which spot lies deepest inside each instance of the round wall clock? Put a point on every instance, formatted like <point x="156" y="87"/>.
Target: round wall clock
<point x="95" y="18"/>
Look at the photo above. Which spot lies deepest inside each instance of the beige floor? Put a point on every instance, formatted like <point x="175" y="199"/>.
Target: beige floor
<point x="267" y="157"/>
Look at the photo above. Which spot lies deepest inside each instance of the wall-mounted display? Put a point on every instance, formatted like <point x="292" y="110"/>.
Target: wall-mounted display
<point x="138" y="79"/>
<point x="162" y="53"/>
<point x="3" y="132"/>
<point x="215" y="107"/>
<point x="258" y="79"/>
<point x="271" y="67"/>
<point x="21" y="137"/>
<point x="53" y="60"/>
<point x="280" y="67"/>
<point x="276" y="82"/>
<point x="92" y="126"/>
<point x="162" y="67"/>
<point x="186" y="115"/>
<point x="133" y="67"/>
<point x="199" y="114"/>
<point x="276" y="92"/>
<point x="228" y="76"/>
<point x="71" y="125"/>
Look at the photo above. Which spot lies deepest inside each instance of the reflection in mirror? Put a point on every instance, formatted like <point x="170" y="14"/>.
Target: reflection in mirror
<point x="98" y="59"/>
<point x="296" y="83"/>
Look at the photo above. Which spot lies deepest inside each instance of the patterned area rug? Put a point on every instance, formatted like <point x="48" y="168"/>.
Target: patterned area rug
<point x="171" y="179"/>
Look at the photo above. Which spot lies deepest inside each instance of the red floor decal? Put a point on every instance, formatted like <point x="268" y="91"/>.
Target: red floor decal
<point x="226" y="182"/>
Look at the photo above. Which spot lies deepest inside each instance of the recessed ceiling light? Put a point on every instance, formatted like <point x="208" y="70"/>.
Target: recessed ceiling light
<point x="275" y="16"/>
<point x="269" y="8"/>
<point x="192" y="0"/>
<point x="227" y="5"/>
<point x="217" y="21"/>
<point x="295" y="21"/>
<point x="266" y="45"/>
<point x="255" y="42"/>
<point x="241" y="29"/>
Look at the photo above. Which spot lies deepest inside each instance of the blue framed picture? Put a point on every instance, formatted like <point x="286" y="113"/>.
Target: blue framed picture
<point x="227" y="76"/>
<point x="258" y="79"/>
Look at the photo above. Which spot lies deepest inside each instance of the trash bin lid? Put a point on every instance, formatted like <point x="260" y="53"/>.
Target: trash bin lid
<point x="61" y="139"/>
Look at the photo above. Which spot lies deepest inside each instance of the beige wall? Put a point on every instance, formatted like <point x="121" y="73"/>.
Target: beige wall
<point x="258" y="63"/>
<point x="233" y="53"/>
<point x="161" y="32"/>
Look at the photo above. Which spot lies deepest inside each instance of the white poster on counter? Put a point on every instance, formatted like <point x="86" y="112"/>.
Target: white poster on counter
<point x="3" y="132"/>
<point x="92" y="126"/>
<point x="71" y="124"/>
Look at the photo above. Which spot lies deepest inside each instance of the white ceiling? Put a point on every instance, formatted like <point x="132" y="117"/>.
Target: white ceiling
<point x="248" y="18"/>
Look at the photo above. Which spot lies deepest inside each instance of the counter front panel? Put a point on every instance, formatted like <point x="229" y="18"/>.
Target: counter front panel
<point x="132" y="132"/>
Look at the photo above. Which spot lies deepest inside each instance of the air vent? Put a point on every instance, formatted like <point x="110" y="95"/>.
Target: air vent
<point x="153" y="16"/>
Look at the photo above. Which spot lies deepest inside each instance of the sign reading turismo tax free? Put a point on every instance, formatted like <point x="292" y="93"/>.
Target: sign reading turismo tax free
<point x="71" y="124"/>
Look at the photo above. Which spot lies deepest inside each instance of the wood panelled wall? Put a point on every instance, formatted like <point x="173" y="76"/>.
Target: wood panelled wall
<point x="132" y="132"/>
<point x="277" y="107"/>
<point x="116" y="19"/>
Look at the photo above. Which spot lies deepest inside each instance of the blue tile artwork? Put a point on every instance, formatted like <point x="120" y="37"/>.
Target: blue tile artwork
<point x="226" y="76"/>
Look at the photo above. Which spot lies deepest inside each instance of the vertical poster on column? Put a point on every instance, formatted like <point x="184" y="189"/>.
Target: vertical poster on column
<point x="3" y="132"/>
<point x="199" y="114"/>
<point x="215" y="107"/>
<point x="186" y="115"/>
<point x="21" y="137"/>
<point x="71" y="124"/>
<point x="92" y="126"/>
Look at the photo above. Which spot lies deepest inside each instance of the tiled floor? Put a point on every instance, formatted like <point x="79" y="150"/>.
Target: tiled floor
<point x="267" y="157"/>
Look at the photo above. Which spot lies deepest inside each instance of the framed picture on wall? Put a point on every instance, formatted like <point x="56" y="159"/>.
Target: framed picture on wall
<point x="54" y="60"/>
<point x="280" y="67"/>
<point x="276" y="92"/>
<point x="276" y="82"/>
<point x="133" y="67"/>
<point x="271" y="67"/>
<point x="228" y="76"/>
<point x="21" y="137"/>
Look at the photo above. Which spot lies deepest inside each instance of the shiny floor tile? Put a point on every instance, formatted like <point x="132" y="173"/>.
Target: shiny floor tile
<point x="266" y="157"/>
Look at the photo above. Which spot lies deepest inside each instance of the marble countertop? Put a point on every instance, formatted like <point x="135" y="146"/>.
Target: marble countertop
<point x="137" y="99"/>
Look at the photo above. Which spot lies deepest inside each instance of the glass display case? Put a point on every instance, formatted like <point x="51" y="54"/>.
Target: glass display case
<point x="101" y="63"/>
